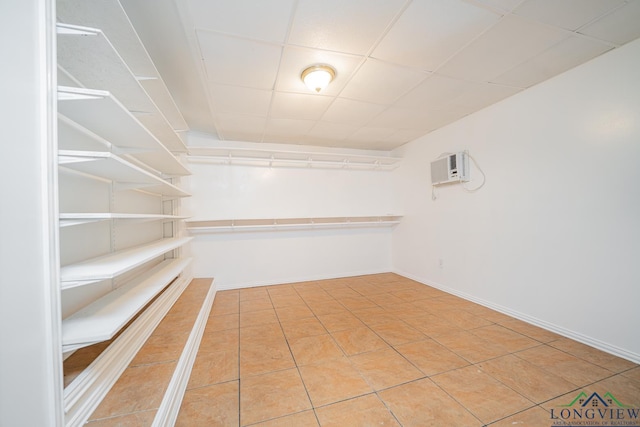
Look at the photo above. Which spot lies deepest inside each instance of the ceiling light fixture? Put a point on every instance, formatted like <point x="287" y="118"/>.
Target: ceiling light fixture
<point x="317" y="77"/>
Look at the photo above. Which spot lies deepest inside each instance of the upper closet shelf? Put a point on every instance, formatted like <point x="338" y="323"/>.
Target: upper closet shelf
<point x="238" y="225"/>
<point x="102" y="319"/>
<point x="298" y="159"/>
<point x="70" y="219"/>
<point x="125" y="175"/>
<point x="113" y="264"/>
<point x="102" y="114"/>
<point x="87" y="55"/>
<point x="111" y="19"/>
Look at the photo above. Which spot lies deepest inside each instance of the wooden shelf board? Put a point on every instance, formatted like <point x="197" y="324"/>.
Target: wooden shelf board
<point x="101" y="113"/>
<point x="222" y="226"/>
<point x="111" y="19"/>
<point x="102" y="319"/>
<point x="112" y="167"/>
<point x="93" y="61"/>
<point x="113" y="264"/>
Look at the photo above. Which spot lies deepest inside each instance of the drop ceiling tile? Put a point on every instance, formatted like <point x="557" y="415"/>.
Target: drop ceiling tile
<point x="234" y="61"/>
<point x="569" y="14"/>
<point x="241" y="100"/>
<point x="621" y="26"/>
<point x="342" y="26"/>
<point x="371" y="133"/>
<point x="433" y="93"/>
<point x="348" y="111"/>
<point x="502" y="5"/>
<point x="288" y="127"/>
<point x="335" y="131"/>
<point x="402" y="136"/>
<point x="430" y="32"/>
<point x="297" y="106"/>
<point x="234" y="124"/>
<point x="509" y="43"/>
<point x="413" y="119"/>
<point x="381" y="83"/>
<point x="480" y="95"/>
<point x="561" y="57"/>
<point x="296" y="59"/>
<point x="247" y="18"/>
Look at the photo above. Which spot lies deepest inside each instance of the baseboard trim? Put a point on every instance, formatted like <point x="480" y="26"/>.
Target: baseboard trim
<point x="170" y="406"/>
<point x="231" y="286"/>
<point x="584" y="339"/>
<point x="84" y="394"/>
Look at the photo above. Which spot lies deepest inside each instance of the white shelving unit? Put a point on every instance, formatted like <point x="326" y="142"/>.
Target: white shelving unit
<point x="281" y="158"/>
<point x="246" y="225"/>
<point x="119" y="192"/>
<point x="101" y="320"/>
<point x="98" y="111"/>
<point x="111" y="167"/>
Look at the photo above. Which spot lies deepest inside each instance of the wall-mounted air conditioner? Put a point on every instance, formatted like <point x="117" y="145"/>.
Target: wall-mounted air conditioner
<point x="450" y="168"/>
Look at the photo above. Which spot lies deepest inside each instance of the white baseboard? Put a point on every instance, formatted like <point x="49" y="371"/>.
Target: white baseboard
<point x="283" y="281"/>
<point x="600" y="345"/>
<point x="170" y="406"/>
<point x="85" y="393"/>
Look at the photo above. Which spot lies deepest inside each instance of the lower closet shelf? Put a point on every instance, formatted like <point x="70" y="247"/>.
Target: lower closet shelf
<point x="102" y="319"/>
<point x="116" y="263"/>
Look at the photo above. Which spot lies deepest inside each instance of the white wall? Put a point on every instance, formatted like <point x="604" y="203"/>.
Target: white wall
<point x="30" y="361"/>
<point x="254" y="192"/>
<point x="554" y="236"/>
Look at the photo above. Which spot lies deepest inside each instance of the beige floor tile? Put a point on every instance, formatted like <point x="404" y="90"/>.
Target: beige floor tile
<point x="136" y="419"/>
<point x="220" y="309"/>
<point x="359" y="340"/>
<point x="80" y="360"/>
<point x="385" y="368"/>
<point x="531" y="331"/>
<point x="386" y="299"/>
<point x="571" y="368"/>
<point x="254" y="293"/>
<point x="281" y="301"/>
<point x="592" y="355"/>
<point x="176" y="323"/>
<point x="221" y="323"/>
<point x="315" y="349"/>
<point x="138" y="389"/>
<point x="301" y="419"/>
<point x="226" y="340"/>
<point x="333" y="381"/>
<point x="432" y="326"/>
<point x="407" y="311"/>
<point x="430" y="357"/>
<point x="293" y="313"/>
<point x="464" y="319"/>
<point x="485" y="397"/>
<point x="257" y="318"/>
<point x="272" y="395"/>
<point x="255" y="304"/>
<point x="423" y="404"/>
<point x="302" y="328"/>
<point x="471" y="347"/>
<point x="534" y="417"/>
<point x="375" y="314"/>
<point x="160" y="349"/>
<point x="363" y="411"/>
<point x="534" y="383"/>
<point x="260" y="358"/>
<point x="396" y="332"/>
<point x="322" y="308"/>
<point x="504" y="337"/>
<point x="261" y="334"/>
<point x="634" y="374"/>
<point x="215" y="405"/>
<point x="340" y="321"/>
<point x="357" y="303"/>
<point x="213" y="368"/>
<point x="625" y="389"/>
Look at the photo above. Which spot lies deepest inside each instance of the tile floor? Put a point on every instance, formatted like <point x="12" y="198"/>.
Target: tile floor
<point x="378" y="350"/>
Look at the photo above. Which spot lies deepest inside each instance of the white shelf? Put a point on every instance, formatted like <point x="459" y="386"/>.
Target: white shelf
<point x="116" y="263"/>
<point x="126" y="175"/>
<point x="87" y="55"/>
<point x="102" y="319"/>
<point x="102" y="114"/>
<point x="244" y="225"/>
<point x="111" y="19"/>
<point x="277" y="158"/>
<point x="71" y="219"/>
